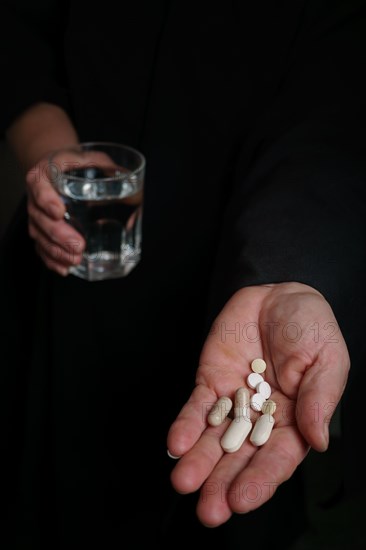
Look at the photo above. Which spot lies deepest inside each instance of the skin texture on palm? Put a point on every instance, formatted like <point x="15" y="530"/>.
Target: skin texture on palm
<point x="293" y="328"/>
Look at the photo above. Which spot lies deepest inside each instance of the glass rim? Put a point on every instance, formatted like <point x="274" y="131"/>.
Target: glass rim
<point x="82" y="144"/>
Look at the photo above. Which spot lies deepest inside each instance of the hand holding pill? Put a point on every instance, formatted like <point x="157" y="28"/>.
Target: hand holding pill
<point x="299" y="372"/>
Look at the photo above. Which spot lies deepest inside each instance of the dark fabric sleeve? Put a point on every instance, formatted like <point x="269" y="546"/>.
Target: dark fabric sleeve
<point x="297" y="211"/>
<point x="31" y="57"/>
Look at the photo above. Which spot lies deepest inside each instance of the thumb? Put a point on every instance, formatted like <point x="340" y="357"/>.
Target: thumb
<point x="319" y="393"/>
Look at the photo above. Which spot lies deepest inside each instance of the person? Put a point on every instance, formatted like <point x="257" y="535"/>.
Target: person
<point x="251" y="117"/>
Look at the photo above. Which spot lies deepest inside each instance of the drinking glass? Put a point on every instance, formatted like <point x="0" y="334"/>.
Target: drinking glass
<point x="101" y="185"/>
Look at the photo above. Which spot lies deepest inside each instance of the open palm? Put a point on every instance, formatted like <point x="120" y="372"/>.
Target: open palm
<point x="293" y="328"/>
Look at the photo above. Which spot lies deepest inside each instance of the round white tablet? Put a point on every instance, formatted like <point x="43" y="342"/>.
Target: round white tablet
<point x="254" y="379"/>
<point x="264" y="389"/>
<point x="256" y="401"/>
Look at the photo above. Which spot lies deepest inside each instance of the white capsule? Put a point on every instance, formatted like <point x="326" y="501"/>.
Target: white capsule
<point x="269" y="407"/>
<point x="264" y="389"/>
<point x="236" y="434"/>
<point x="256" y="401"/>
<point x="254" y="379"/>
<point x="242" y="402"/>
<point x="219" y="411"/>
<point x="258" y="365"/>
<point x="262" y="429"/>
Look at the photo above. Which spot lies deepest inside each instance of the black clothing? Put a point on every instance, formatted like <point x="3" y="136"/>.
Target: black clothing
<point x="252" y="119"/>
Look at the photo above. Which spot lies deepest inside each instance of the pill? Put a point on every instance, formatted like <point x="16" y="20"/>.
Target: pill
<point x="235" y="434"/>
<point x="256" y="401"/>
<point x="269" y="407"/>
<point x="253" y="380"/>
<point x="219" y="411"/>
<point x="258" y="365"/>
<point x="242" y="402"/>
<point x="264" y="389"/>
<point x="262" y="429"/>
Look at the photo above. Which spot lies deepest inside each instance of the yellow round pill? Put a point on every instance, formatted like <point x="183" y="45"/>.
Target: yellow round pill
<point x="269" y="407"/>
<point x="258" y="365"/>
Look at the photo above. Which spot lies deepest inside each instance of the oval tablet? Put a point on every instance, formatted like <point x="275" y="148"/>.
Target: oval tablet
<point x="219" y="411"/>
<point x="258" y="365"/>
<point x="254" y="379"/>
<point x="236" y="434"/>
<point x="262" y="429"/>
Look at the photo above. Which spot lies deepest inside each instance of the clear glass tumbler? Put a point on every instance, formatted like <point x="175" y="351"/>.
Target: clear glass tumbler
<point x="101" y="185"/>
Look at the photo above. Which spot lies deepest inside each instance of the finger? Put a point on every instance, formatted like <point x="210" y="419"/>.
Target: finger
<point x="68" y="252"/>
<point x="63" y="256"/>
<point x="191" y="421"/>
<point x="57" y="232"/>
<point x="271" y="465"/>
<point x="51" y="264"/>
<point x="197" y="464"/>
<point x="320" y="392"/>
<point x="42" y="193"/>
<point x="213" y="507"/>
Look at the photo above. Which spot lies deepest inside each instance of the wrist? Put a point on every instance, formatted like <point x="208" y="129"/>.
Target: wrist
<point x="39" y="130"/>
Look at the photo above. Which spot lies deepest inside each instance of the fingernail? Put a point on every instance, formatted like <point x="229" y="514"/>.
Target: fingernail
<point x="63" y="271"/>
<point x="172" y="456"/>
